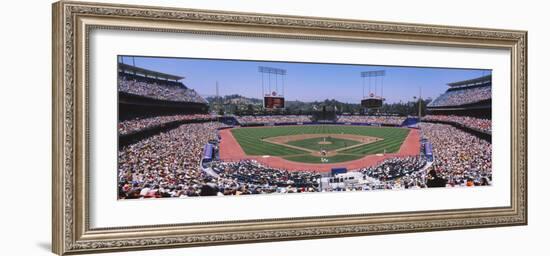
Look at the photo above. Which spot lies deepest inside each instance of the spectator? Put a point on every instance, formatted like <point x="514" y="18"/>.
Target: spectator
<point x="137" y="124"/>
<point x="462" y="96"/>
<point x="168" y="162"/>
<point x="391" y="120"/>
<point x="157" y="89"/>
<point x="479" y="124"/>
<point x="273" y="119"/>
<point x="460" y="158"/>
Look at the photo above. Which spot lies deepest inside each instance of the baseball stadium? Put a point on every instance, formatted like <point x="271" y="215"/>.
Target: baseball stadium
<point x="274" y="131"/>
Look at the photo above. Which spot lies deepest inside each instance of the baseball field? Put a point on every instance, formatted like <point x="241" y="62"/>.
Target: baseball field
<point x="319" y="143"/>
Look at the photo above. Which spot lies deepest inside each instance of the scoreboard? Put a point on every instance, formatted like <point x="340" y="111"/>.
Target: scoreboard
<point x="274" y="102"/>
<point x="371" y="102"/>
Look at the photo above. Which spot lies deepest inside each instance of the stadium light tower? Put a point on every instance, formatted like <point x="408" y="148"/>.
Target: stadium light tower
<point x="419" y="102"/>
<point x="274" y="98"/>
<point x="374" y="100"/>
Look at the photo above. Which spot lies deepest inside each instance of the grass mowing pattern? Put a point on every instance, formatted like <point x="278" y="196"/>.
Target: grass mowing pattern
<point x="391" y="144"/>
<point x="313" y="143"/>
<point x="251" y="142"/>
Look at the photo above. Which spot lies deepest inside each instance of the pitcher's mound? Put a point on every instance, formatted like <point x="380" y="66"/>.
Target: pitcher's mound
<point x="326" y="154"/>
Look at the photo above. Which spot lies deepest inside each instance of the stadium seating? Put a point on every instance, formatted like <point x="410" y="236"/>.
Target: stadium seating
<point x="388" y="120"/>
<point x="464" y="93"/>
<point x="138" y="124"/>
<point x="410" y="121"/>
<point x="157" y="89"/>
<point x="270" y="119"/>
<point x="480" y="124"/>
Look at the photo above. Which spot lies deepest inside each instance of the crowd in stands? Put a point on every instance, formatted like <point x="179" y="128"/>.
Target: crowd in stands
<point x="183" y="179"/>
<point x="480" y="124"/>
<point x="167" y="164"/>
<point x="461" y="159"/>
<point x="391" y="120"/>
<point x="130" y="76"/>
<point x="250" y="177"/>
<point x="137" y="124"/>
<point x="273" y="119"/>
<point x="396" y="167"/>
<point x="458" y="97"/>
<point x="392" y="173"/>
<point x="158" y="89"/>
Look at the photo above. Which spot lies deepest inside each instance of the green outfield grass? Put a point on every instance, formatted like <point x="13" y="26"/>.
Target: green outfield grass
<point x="313" y="143"/>
<point x="250" y="140"/>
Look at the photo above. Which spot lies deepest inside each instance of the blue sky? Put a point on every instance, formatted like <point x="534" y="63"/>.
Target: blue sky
<point x="307" y="81"/>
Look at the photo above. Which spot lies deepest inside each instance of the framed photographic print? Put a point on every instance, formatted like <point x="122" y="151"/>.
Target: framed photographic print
<point x="179" y="127"/>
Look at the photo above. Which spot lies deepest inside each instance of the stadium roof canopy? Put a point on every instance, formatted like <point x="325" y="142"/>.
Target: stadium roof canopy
<point x="474" y="81"/>
<point x="146" y="72"/>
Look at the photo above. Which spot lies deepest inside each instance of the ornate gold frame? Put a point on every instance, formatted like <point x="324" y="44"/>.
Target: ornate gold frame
<point x="72" y="22"/>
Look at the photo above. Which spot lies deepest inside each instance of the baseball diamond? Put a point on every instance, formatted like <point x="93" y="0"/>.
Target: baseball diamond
<point x="322" y="144"/>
